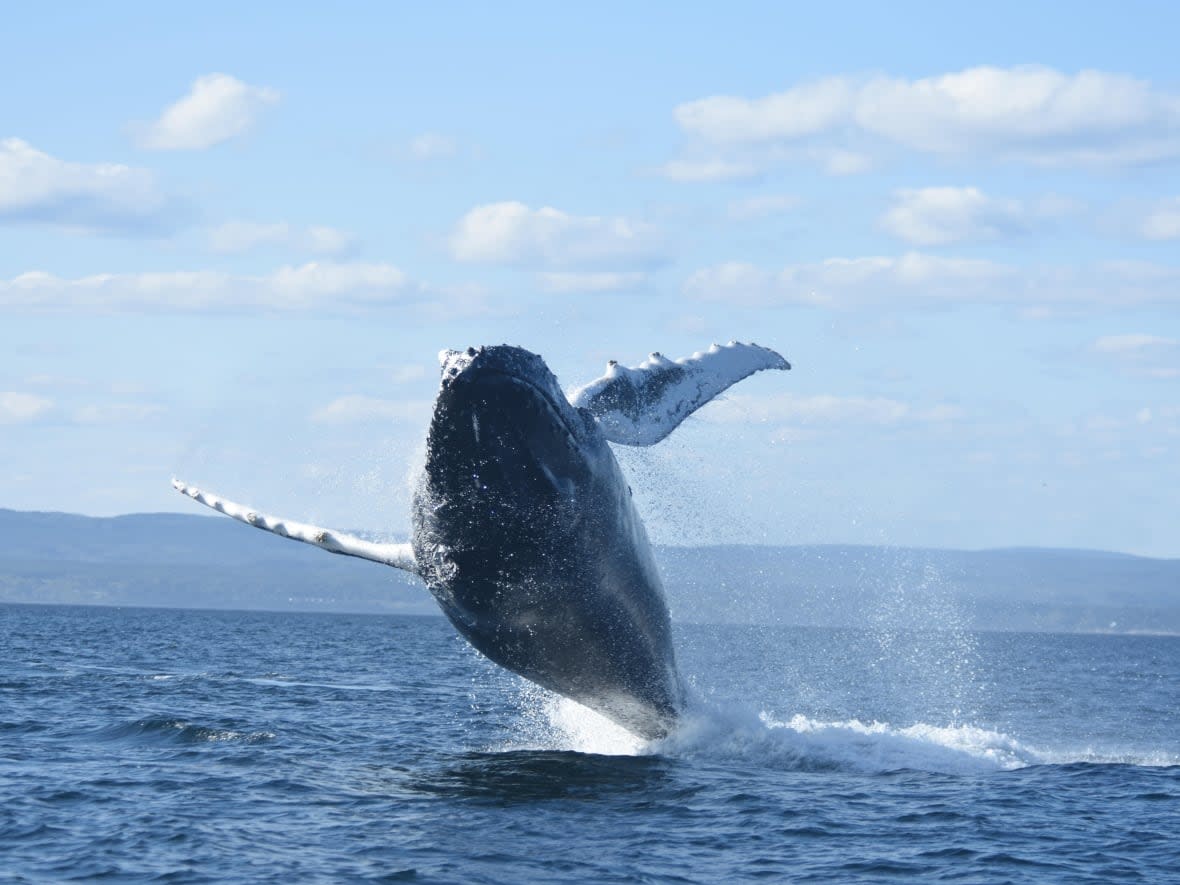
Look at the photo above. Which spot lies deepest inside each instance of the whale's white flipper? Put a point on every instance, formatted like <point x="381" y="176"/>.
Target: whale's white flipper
<point x="397" y="555"/>
<point x="640" y="406"/>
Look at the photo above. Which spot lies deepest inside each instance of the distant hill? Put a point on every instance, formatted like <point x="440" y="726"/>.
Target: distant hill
<point x="1011" y="589"/>
<point x="176" y="560"/>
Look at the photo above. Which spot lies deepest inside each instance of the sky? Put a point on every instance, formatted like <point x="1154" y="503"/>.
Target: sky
<point x="234" y="238"/>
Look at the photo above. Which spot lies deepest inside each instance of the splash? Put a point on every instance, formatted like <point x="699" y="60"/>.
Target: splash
<point x="163" y="729"/>
<point x="739" y="733"/>
<point x="924" y="644"/>
<point x="549" y="721"/>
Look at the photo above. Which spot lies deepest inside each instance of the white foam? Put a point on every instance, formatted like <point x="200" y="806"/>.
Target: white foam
<point x="557" y="723"/>
<point x="739" y="733"/>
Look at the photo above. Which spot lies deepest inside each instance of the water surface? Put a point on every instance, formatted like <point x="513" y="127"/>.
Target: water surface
<point x="198" y="746"/>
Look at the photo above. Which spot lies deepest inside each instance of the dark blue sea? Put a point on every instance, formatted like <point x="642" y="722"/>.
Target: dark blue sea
<point x="203" y="746"/>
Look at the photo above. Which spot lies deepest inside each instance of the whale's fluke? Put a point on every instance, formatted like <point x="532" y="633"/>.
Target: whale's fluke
<point x="642" y="405"/>
<point x="397" y="555"/>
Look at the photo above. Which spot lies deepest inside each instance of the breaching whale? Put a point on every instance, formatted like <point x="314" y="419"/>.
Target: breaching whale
<point x="524" y="529"/>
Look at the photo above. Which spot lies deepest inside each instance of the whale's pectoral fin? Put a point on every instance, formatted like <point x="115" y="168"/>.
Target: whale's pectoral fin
<point x="397" y="555"/>
<point x="640" y="406"/>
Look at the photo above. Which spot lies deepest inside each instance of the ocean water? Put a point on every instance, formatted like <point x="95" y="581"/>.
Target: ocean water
<point x="199" y="746"/>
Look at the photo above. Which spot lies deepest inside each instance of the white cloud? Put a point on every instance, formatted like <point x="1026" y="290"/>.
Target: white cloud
<point x="800" y="111"/>
<point x="59" y="382"/>
<point x="761" y="206"/>
<point x="933" y="216"/>
<point x="792" y="435"/>
<point x="303" y="287"/>
<point x="38" y="188"/>
<point x="840" y="163"/>
<point x="1142" y="355"/>
<point x="355" y="409"/>
<point x="601" y="281"/>
<point x="1163" y="221"/>
<point x="216" y="109"/>
<point x="839" y="282"/>
<point x="432" y="146"/>
<point x="116" y="413"/>
<point x="917" y="278"/>
<point x="690" y="324"/>
<point x="321" y="240"/>
<point x="72" y="385"/>
<point x="515" y="234"/>
<point x="242" y="236"/>
<point x="407" y="373"/>
<point x="1031" y="113"/>
<point x="21" y="408"/>
<point x="824" y="409"/>
<point x="746" y="163"/>
<point x="245" y="236"/>
<point x="709" y="170"/>
<point x="1102" y="424"/>
<point x="1133" y="344"/>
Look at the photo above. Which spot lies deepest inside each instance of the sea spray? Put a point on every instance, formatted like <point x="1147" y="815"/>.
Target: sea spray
<point x="737" y="732"/>
<point x="927" y="659"/>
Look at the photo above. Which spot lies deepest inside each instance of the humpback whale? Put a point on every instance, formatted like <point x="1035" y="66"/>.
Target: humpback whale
<point x="524" y="529"/>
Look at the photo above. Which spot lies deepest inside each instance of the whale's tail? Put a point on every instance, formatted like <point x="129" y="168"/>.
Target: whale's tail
<point x="396" y="555"/>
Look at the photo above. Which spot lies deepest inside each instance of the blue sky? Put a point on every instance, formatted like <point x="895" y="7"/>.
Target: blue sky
<point x="235" y="240"/>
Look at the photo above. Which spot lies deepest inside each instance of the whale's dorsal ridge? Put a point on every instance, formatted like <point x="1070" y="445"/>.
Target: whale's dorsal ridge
<point x="640" y="406"/>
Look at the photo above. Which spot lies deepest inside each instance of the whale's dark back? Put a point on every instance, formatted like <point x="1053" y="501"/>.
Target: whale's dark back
<point x="525" y="532"/>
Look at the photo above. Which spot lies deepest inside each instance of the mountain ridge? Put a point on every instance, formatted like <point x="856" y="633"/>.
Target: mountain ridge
<point x="197" y="561"/>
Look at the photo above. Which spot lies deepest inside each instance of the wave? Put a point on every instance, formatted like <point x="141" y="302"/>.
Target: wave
<point x="177" y="731"/>
<point x="733" y="732"/>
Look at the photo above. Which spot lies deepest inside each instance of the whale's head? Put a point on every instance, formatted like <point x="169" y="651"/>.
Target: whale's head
<point x="504" y="402"/>
<point x="504" y="446"/>
<point x="495" y="370"/>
